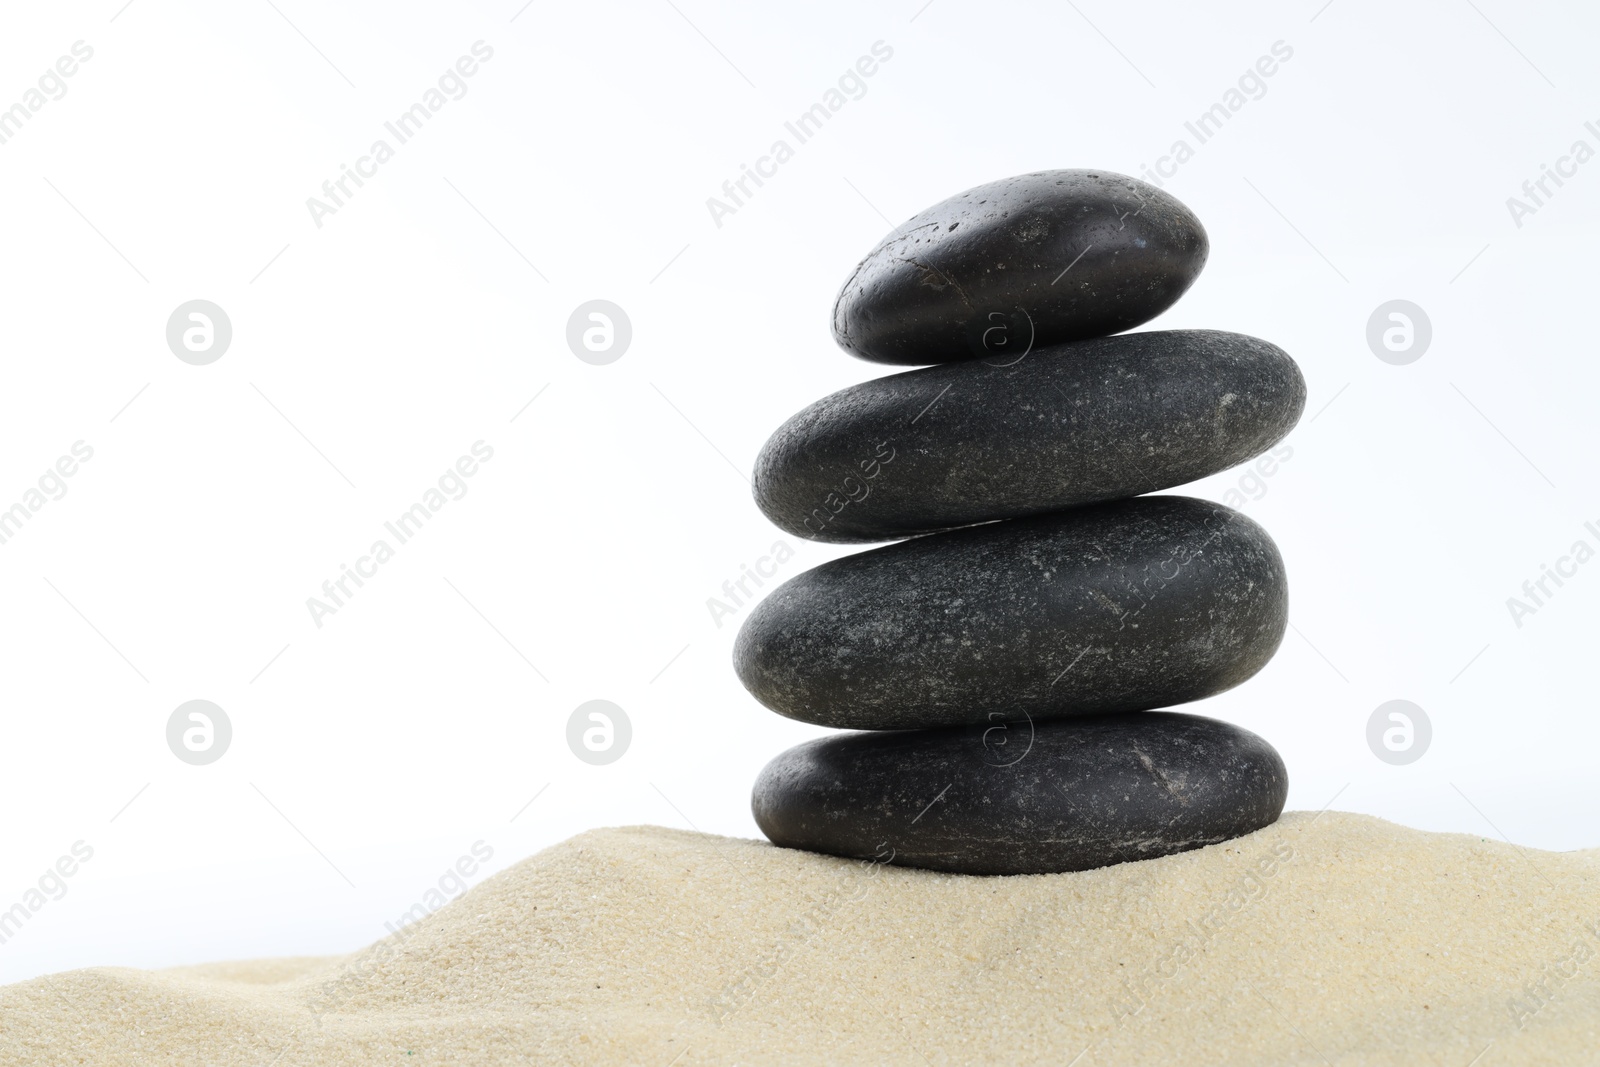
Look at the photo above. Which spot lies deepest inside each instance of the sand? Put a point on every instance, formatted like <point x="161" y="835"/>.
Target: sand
<point x="1331" y="939"/>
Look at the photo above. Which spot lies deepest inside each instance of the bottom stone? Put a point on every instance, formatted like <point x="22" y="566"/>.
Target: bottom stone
<point x="1023" y="798"/>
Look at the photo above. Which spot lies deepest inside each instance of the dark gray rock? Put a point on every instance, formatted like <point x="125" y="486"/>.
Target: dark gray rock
<point x="1037" y="259"/>
<point x="1125" y="606"/>
<point x="1072" y="424"/>
<point x="1024" y="797"/>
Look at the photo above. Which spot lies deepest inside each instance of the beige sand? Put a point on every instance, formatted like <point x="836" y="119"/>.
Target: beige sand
<point x="1336" y="939"/>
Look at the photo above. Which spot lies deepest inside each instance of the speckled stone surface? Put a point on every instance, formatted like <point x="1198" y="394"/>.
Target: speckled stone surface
<point x="1071" y="424"/>
<point x="1024" y="797"/>
<point x="1034" y="259"/>
<point x="1123" y="606"/>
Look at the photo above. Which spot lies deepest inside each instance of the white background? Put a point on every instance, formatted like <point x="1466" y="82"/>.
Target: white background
<point x="374" y="751"/>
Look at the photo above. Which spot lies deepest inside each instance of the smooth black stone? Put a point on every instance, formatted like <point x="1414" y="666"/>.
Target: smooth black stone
<point x="1125" y="606"/>
<point x="1072" y="424"/>
<point x="1059" y="255"/>
<point x="1021" y="797"/>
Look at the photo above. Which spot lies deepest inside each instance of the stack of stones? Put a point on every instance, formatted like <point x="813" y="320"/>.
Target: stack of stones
<point x="1005" y="657"/>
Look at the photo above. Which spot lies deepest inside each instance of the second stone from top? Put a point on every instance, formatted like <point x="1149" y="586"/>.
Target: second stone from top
<point x="1072" y="424"/>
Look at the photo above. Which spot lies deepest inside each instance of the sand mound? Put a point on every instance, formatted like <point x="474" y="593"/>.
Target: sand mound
<point x="1337" y="939"/>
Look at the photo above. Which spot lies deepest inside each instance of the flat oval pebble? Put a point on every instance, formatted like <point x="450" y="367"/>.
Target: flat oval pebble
<point x="1024" y="798"/>
<point x="1124" y="606"/>
<point x="1037" y="259"/>
<point x="1072" y="424"/>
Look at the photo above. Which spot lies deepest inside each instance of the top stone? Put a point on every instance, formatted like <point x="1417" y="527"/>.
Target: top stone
<point x="1060" y="255"/>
